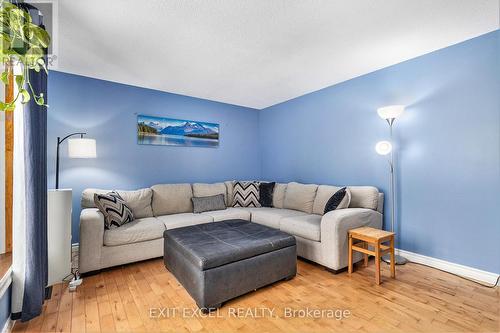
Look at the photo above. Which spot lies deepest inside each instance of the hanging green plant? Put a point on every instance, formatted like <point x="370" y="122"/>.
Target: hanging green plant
<point x="21" y="42"/>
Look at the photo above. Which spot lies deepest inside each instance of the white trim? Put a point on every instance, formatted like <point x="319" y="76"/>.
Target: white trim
<point x="465" y="271"/>
<point x="9" y="325"/>
<point x="5" y="282"/>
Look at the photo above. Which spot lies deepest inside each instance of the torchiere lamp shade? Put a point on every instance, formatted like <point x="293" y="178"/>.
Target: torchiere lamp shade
<point x="391" y="111"/>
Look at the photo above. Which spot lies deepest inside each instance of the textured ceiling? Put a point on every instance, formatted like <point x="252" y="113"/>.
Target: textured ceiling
<point x="256" y="53"/>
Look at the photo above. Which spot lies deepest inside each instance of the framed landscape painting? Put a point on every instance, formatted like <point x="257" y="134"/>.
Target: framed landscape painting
<point x="176" y="132"/>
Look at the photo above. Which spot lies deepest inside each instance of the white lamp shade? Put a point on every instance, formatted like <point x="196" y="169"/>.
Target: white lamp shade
<point x="391" y="111"/>
<point x="383" y="147"/>
<point x="82" y="148"/>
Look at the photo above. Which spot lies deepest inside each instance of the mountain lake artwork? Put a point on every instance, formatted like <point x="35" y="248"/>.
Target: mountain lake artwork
<point x="176" y="132"/>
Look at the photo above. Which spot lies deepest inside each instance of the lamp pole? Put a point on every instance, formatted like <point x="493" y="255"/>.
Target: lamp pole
<point x="59" y="141"/>
<point x="399" y="260"/>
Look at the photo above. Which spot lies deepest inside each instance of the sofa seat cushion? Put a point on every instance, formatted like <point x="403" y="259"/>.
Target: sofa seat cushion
<point x="139" y="230"/>
<point x="213" y="245"/>
<point x="183" y="220"/>
<point x="271" y="216"/>
<point x="305" y="226"/>
<point x="229" y="214"/>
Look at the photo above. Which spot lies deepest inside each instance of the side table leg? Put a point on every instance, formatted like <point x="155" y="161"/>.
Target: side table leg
<point x="350" y="255"/>
<point x="377" y="262"/>
<point x="365" y="245"/>
<point x="393" y="257"/>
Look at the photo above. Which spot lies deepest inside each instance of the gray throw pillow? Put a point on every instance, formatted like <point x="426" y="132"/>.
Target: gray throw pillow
<point x="207" y="204"/>
<point x="114" y="208"/>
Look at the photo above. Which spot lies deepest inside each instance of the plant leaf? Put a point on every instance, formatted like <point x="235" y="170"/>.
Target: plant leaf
<point x="5" y="77"/>
<point x="26" y="96"/>
<point x="41" y="35"/>
<point x="20" y="81"/>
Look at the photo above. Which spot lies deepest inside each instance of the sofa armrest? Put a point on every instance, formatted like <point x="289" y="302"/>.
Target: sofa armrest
<point x="334" y="228"/>
<point x="91" y="239"/>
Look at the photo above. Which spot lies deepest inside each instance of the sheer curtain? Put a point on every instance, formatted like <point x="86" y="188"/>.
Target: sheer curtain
<point x="29" y="261"/>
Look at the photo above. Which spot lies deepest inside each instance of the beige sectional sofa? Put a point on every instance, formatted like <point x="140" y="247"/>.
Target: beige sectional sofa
<point x="298" y="210"/>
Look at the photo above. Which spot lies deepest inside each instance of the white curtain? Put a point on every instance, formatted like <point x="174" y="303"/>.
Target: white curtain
<point x="19" y="214"/>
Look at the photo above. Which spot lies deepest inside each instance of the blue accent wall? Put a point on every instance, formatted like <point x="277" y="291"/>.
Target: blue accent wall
<point x="5" y="300"/>
<point x="448" y="153"/>
<point x="107" y="112"/>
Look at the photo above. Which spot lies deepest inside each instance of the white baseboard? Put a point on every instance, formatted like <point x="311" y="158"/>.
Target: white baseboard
<point x="9" y="324"/>
<point x="465" y="271"/>
<point x="5" y="282"/>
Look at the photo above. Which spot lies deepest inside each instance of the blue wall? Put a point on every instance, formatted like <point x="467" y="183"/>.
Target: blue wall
<point x="107" y="112"/>
<point x="449" y="146"/>
<point x="5" y="307"/>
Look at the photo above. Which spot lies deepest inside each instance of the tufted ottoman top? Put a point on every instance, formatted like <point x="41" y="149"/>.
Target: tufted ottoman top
<point x="215" y="244"/>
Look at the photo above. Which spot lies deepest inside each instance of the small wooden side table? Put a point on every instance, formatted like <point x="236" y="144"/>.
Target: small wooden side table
<point x="372" y="237"/>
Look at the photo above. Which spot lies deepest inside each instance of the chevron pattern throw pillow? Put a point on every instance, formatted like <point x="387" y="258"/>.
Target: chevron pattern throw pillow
<point x="114" y="208"/>
<point x="246" y="194"/>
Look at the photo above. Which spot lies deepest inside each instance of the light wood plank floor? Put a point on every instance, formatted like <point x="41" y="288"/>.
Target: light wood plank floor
<point x="421" y="299"/>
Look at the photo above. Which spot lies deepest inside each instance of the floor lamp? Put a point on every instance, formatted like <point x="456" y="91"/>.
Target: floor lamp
<point x="60" y="213"/>
<point x="390" y="113"/>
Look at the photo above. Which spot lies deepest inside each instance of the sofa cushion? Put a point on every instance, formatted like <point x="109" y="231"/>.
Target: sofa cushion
<point x="183" y="220"/>
<point x="266" y="191"/>
<point x="229" y="214"/>
<point x="229" y="190"/>
<point x="139" y="201"/>
<point x="300" y="197"/>
<point x="364" y="197"/>
<point x="207" y="204"/>
<point x="87" y="200"/>
<point x="172" y="199"/>
<point x="115" y="210"/>
<point x="271" y="216"/>
<point x="206" y="190"/>
<point x="324" y="194"/>
<point x="139" y="230"/>
<point x="305" y="226"/>
<point x="279" y="195"/>
<point x="246" y="194"/>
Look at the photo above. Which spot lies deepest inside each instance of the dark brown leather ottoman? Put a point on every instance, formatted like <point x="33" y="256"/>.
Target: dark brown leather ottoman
<point x="219" y="261"/>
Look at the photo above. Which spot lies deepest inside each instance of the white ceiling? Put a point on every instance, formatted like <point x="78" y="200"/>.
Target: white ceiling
<point x="256" y="53"/>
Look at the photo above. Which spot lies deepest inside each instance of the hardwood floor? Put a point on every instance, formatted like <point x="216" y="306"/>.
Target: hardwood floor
<point x="5" y="263"/>
<point x="421" y="299"/>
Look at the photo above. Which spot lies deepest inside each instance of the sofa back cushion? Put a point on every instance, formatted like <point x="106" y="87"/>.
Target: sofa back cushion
<point x="364" y="197"/>
<point x="172" y="199"/>
<point x="279" y="195"/>
<point x="207" y="190"/>
<point x="139" y="201"/>
<point x="230" y="192"/>
<point x="324" y="193"/>
<point x="300" y="197"/>
<point x="88" y="197"/>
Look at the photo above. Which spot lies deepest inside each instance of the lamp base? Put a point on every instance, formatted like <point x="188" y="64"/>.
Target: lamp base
<point x="398" y="260"/>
